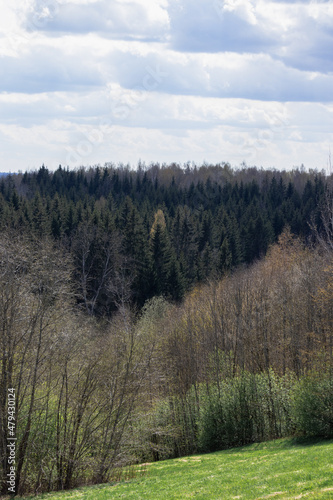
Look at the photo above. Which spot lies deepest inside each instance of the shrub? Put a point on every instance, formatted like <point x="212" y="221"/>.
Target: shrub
<point x="313" y="406"/>
<point x="245" y="409"/>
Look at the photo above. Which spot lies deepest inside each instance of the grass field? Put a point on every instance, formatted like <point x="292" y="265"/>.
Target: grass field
<point x="282" y="469"/>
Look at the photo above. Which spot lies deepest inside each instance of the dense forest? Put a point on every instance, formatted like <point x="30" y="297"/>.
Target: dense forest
<point x="156" y="312"/>
<point x="160" y="230"/>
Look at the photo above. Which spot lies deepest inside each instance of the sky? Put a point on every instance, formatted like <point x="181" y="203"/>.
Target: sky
<point x="85" y="82"/>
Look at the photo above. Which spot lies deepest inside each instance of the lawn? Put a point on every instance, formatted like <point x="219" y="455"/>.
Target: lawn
<point x="282" y="469"/>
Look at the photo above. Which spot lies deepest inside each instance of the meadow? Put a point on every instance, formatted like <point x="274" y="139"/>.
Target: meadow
<point x="280" y="469"/>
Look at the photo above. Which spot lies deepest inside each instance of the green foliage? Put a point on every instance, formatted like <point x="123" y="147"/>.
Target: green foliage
<point x="245" y="409"/>
<point x="313" y="405"/>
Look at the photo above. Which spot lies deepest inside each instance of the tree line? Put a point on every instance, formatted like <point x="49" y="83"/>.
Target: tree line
<point x="161" y="230"/>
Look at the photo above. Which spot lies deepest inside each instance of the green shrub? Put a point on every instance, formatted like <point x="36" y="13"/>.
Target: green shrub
<point x="245" y="409"/>
<point x="313" y="406"/>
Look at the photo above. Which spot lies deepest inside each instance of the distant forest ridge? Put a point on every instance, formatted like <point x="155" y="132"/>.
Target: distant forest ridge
<point x="159" y="230"/>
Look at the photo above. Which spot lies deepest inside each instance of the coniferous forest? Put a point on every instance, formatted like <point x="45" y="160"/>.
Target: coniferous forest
<point x="151" y="313"/>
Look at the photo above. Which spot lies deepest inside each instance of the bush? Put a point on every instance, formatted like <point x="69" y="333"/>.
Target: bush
<point x="228" y="416"/>
<point x="313" y="406"/>
<point x="245" y="409"/>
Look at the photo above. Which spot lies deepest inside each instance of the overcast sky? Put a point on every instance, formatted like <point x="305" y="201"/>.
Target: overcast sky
<point x="85" y="82"/>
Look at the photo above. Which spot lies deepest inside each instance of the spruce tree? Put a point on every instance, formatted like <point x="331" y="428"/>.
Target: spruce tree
<point x="161" y="260"/>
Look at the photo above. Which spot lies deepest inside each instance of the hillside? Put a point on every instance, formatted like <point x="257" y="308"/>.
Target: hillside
<point x="282" y="469"/>
<point x="160" y="313"/>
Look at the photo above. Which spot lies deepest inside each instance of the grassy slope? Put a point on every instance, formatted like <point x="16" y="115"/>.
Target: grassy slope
<point x="279" y="469"/>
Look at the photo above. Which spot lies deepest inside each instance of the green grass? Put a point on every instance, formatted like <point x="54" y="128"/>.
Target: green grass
<point x="282" y="469"/>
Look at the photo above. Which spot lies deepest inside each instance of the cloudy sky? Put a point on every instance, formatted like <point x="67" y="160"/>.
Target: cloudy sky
<point x="92" y="81"/>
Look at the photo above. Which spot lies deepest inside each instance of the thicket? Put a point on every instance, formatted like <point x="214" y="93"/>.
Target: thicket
<point x="102" y="381"/>
<point x="313" y="405"/>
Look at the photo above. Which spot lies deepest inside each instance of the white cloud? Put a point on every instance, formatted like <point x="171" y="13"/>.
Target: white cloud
<point x="162" y="80"/>
<point x="216" y="26"/>
<point x="299" y="33"/>
<point x="85" y="66"/>
<point x="245" y="9"/>
<point x="163" y="128"/>
<point x="119" y="18"/>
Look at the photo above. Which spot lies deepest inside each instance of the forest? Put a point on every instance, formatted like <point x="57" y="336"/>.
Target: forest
<point x="151" y="313"/>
